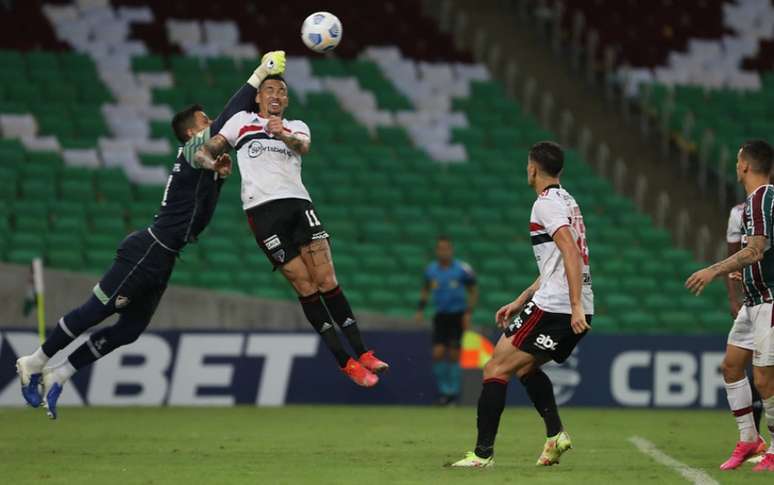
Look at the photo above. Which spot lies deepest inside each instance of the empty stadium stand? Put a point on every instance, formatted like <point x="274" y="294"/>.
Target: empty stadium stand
<point x="87" y="166"/>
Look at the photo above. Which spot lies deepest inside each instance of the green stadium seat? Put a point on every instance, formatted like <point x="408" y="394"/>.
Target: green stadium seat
<point x="66" y="258"/>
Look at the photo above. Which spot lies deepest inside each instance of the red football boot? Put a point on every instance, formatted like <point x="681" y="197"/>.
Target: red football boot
<point x="372" y="363"/>
<point x="359" y="374"/>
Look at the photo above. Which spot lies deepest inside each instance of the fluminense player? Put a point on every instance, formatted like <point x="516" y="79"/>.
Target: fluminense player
<point x="284" y="222"/>
<point x="135" y="283"/>
<point x="744" y="400"/>
<point x="754" y="325"/>
<point x="551" y="316"/>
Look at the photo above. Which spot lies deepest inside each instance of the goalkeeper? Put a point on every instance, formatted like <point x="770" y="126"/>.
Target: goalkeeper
<point x="135" y="283"/>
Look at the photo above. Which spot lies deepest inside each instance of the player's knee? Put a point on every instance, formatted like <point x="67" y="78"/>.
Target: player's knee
<point x="732" y="371"/>
<point x="764" y="382"/>
<point x="495" y="369"/>
<point x="303" y="285"/>
<point x="439" y="351"/>
<point x="326" y="281"/>
<point x="453" y="355"/>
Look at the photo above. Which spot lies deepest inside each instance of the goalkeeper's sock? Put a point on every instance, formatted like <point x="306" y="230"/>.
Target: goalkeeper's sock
<point x="341" y="311"/>
<point x="541" y="393"/>
<point x="75" y="323"/>
<point x="490" y="407"/>
<point x="318" y="317"/>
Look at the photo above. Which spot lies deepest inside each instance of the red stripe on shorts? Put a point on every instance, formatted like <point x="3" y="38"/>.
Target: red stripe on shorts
<point x="526" y="329"/>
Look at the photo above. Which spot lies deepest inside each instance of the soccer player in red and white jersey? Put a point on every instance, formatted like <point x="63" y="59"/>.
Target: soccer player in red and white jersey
<point x="547" y="320"/>
<point x="743" y="398"/>
<point x="284" y="222"/>
<point x="755" y="261"/>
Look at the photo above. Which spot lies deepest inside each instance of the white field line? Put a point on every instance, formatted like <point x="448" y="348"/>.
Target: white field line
<point x="693" y="475"/>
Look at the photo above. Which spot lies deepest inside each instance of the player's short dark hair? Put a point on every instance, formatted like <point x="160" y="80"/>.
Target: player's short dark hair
<point x="183" y="120"/>
<point x="549" y="156"/>
<point x="443" y="238"/>
<point x="270" y="77"/>
<point x="759" y="154"/>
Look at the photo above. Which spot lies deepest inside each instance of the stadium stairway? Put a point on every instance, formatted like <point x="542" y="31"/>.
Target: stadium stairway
<point x="378" y="190"/>
<point x="706" y="70"/>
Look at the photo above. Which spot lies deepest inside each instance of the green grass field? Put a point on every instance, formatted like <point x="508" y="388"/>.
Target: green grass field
<point x="349" y="445"/>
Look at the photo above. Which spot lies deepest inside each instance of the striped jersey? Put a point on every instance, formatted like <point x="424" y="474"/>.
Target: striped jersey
<point x="270" y="170"/>
<point x="556" y="208"/>
<point x="758" y="217"/>
<point x="735" y="229"/>
<point x="192" y="193"/>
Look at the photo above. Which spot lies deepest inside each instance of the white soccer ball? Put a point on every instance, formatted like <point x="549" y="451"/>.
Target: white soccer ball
<point x="321" y="31"/>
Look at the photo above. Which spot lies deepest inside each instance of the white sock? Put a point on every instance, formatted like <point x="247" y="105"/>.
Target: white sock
<point x="740" y="400"/>
<point x="39" y="358"/>
<point x="64" y="371"/>
<point x="768" y="406"/>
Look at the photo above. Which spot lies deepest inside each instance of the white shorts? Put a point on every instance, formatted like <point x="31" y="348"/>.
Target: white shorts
<point x="754" y="330"/>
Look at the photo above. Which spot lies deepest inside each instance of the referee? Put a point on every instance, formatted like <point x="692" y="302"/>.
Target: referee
<point x="453" y="286"/>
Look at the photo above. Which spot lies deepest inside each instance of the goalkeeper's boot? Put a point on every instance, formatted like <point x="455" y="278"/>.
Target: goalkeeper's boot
<point x="30" y="376"/>
<point x="52" y="389"/>
<point x="766" y="465"/>
<point x="554" y="448"/>
<point x="471" y="460"/>
<point x="742" y="451"/>
<point x="372" y="363"/>
<point x="359" y="374"/>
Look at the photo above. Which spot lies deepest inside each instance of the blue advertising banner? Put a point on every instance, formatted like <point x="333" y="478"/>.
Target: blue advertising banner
<point x="218" y="368"/>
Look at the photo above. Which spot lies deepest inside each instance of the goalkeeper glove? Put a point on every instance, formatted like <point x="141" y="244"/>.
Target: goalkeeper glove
<point x="271" y="63"/>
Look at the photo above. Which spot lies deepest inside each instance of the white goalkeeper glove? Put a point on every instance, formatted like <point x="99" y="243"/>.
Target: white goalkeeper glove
<point x="271" y="63"/>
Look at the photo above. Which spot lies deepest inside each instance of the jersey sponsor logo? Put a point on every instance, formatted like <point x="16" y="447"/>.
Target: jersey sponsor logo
<point x="255" y="149"/>
<point x="545" y="342"/>
<point x="272" y="242"/>
<point x="176" y="168"/>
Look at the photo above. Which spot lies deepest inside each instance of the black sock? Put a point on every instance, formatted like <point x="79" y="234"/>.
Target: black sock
<point x="757" y="407"/>
<point x="541" y="393"/>
<point x="318" y="316"/>
<point x="490" y="407"/>
<point x="342" y="314"/>
<point x="75" y="323"/>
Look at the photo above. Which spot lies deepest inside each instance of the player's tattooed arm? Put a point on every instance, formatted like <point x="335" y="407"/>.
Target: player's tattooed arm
<point x="752" y="253"/>
<point x="298" y="142"/>
<point x="213" y="155"/>
<point x="733" y="286"/>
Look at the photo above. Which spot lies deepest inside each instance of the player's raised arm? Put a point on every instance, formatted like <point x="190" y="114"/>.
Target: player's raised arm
<point x="752" y="253"/>
<point x="573" y="268"/>
<point x="244" y="99"/>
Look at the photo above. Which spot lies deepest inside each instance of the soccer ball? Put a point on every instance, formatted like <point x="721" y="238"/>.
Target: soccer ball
<point x="321" y="31"/>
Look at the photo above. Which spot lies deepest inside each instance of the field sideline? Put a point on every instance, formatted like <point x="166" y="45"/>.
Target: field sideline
<point x="349" y="445"/>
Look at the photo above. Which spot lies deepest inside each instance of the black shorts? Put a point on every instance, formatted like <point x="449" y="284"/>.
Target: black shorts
<point x="447" y="329"/>
<point x="136" y="281"/>
<point x="542" y="333"/>
<point x="282" y="226"/>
